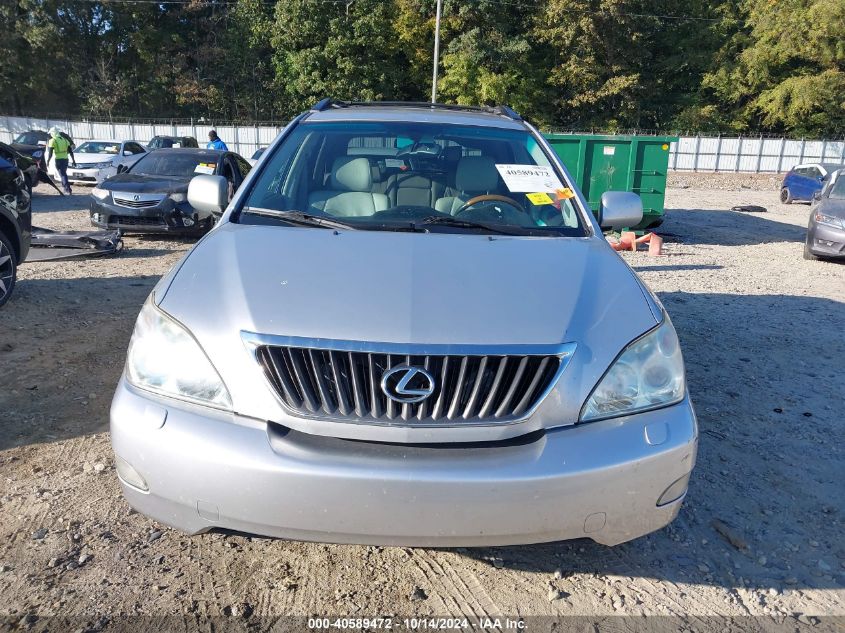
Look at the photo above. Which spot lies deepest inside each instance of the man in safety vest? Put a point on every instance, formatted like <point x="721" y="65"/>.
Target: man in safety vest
<point x="62" y="147"/>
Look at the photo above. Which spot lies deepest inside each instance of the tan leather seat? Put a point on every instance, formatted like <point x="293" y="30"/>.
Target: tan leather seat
<point x="474" y="176"/>
<point x="351" y="192"/>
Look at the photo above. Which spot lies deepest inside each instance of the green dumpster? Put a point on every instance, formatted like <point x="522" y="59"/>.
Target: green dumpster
<point x="602" y="163"/>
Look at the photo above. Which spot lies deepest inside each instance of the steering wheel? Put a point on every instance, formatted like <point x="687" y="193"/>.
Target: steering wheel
<point x="489" y="198"/>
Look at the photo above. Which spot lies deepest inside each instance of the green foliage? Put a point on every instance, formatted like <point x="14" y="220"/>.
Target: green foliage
<point x="695" y="65"/>
<point x="783" y="69"/>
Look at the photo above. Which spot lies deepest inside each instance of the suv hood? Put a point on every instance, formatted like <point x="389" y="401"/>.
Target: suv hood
<point x="406" y="287"/>
<point x="403" y="288"/>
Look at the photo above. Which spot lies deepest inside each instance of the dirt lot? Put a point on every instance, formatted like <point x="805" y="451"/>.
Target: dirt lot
<point x="762" y="331"/>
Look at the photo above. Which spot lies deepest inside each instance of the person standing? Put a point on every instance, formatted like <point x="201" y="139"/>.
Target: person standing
<point x="214" y="141"/>
<point x="62" y="148"/>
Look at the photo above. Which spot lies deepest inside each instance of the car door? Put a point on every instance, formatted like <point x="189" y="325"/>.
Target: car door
<point x="805" y="183"/>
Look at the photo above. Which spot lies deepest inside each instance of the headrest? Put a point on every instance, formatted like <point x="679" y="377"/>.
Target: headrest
<point x="351" y="173"/>
<point x="476" y="173"/>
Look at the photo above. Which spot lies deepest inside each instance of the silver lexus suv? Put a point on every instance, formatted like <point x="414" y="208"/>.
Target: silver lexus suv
<point x="406" y="328"/>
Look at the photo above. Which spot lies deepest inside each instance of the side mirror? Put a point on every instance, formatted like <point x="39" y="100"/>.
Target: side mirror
<point x="620" y="210"/>
<point x="209" y="194"/>
<point x="126" y="152"/>
<point x="817" y="195"/>
<point x="122" y="168"/>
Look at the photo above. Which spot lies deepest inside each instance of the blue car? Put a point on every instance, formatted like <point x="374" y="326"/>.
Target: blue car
<point x="802" y="181"/>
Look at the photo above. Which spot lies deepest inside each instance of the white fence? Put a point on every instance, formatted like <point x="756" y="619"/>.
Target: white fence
<point x="690" y="153"/>
<point x="751" y="154"/>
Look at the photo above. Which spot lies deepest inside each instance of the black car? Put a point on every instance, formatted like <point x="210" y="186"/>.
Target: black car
<point x="15" y="224"/>
<point x="151" y="196"/>
<point x="162" y="142"/>
<point x="32" y="144"/>
<point x="29" y="166"/>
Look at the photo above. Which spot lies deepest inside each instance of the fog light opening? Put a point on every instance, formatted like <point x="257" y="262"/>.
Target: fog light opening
<point x="674" y="492"/>
<point x="188" y="221"/>
<point x="129" y="475"/>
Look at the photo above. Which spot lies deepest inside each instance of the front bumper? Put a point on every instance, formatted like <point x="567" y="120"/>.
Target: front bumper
<point x="166" y="217"/>
<point x="91" y="176"/>
<point x="207" y="469"/>
<point x="825" y="240"/>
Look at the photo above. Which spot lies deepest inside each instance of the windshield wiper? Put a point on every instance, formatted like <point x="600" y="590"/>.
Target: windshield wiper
<point x="302" y="218"/>
<point x="445" y="220"/>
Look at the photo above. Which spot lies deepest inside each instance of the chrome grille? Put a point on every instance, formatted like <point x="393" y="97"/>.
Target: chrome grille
<point x="345" y="384"/>
<point x="136" y="200"/>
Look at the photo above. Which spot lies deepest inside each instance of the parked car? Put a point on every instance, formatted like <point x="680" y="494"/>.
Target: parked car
<point x="161" y="142"/>
<point x="803" y="181"/>
<point x="256" y="155"/>
<point x="98" y="160"/>
<point x="151" y="196"/>
<point x="32" y="144"/>
<point x="15" y="223"/>
<point x="27" y="165"/>
<point x="432" y="348"/>
<point x="826" y="230"/>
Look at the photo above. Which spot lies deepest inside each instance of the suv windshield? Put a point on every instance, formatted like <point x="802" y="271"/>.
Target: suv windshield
<point x="98" y="147"/>
<point x="418" y="176"/>
<point x="165" y="163"/>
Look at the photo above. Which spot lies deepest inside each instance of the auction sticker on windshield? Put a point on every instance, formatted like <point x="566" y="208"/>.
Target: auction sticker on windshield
<point x="528" y="178"/>
<point x="204" y="168"/>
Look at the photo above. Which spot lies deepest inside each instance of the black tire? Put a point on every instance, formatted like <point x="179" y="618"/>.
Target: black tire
<point x="786" y="196"/>
<point x="808" y="254"/>
<point x="8" y="269"/>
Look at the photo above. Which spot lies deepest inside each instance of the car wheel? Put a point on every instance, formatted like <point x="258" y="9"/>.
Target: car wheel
<point x="808" y="254"/>
<point x="8" y="269"/>
<point x="786" y="196"/>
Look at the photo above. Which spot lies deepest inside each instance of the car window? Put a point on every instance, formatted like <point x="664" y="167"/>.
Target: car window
<point x="380" y="174"/>
<point x="98" y="147"/>
<point x="837" y="189"/>
<point x="135" y="148"/>
<point x="243" y="166"/>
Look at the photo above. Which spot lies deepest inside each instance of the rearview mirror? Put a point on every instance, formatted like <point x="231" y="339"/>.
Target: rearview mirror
<point x="620" y="210"/>
<point x="209" y="194"/>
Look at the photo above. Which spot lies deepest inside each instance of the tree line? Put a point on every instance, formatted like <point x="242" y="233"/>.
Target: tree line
<point x="740" y="66"/>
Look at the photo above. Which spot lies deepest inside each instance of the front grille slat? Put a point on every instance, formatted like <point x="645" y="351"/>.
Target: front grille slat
<point x="357" y="387"/>
<point x="342" y="385"/>
<point x="317" y="368"/>
<point x="509" y="394"/>
<point x="303" y="379"/>
<point x="343" y="403"/>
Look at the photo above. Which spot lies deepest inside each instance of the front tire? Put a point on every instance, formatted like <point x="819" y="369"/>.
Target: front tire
<point x="8" y="269"/>
<point x="808" y="254"/>
<point x="786" y="196"/>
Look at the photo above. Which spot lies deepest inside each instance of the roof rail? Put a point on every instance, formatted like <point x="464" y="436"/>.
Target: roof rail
<point x="501" y="110"/>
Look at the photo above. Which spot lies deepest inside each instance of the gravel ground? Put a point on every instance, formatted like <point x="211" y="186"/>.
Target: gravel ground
<point x="759" y="535"/>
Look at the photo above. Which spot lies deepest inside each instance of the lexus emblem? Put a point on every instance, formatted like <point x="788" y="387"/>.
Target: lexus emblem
<point x="136" y="197"/>
<point x="407" y="384"/>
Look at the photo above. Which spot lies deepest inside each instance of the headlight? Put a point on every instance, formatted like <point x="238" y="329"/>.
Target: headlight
<point x="830" y="220"/>
<point x="649" y="374"/>
<point x="37" y="154"/>
<point x="103" y="165"/>
<point x="165" y="358"/>
<point x="178" y="197"/>
<point x="100" y="194"/>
